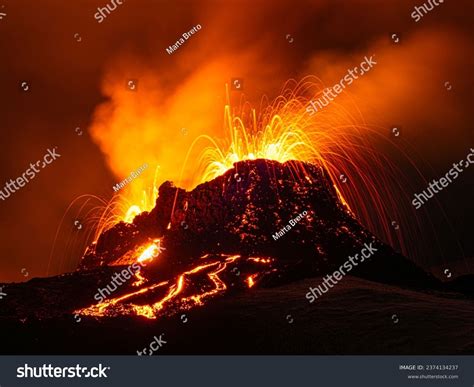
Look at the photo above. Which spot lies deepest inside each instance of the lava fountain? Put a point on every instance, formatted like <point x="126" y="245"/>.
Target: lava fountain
<point x="363" y="181"/>
<point x="367" y="182"/>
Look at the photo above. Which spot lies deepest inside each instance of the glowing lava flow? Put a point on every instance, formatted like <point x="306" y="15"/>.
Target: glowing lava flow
<point x="189" y="289"/>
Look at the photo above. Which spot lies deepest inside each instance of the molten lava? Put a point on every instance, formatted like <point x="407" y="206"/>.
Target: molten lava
<point x="188" y="289"/>
<point x="250" y="280"/>
<point x="282" y="132"/>
<point x="151" y="252"/>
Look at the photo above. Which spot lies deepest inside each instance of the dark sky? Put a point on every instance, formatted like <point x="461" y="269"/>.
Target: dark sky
<point x="69" y="80"/>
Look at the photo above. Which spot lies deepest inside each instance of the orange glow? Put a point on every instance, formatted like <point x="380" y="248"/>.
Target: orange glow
<point x="281" y="131"/>
<point x="140" y="279"/>
<point x="260" y="260"/>
<point x="151" y="252"/>
<point x="177" y="289"/>
<point x="341" y="198"/>
<point x="101" y="308"/>
<point x="133" y="211"/>
<point x="250" y="280"/>
<point x="174" y="290"/>
<point x="276" y="140"/>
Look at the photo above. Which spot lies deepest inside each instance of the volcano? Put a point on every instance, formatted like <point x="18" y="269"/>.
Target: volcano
<point x="245" y="212"/>
<point x="261" y="223"/>
<point x="261" y="233"/>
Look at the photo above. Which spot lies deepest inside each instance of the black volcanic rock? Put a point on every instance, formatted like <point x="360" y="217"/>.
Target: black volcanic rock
<point x="242" y="212"/>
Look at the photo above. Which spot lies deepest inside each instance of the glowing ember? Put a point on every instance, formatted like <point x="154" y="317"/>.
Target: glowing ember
<point x="131" y="213"/>
<point x="140" y="279"/>
<point x="260" y="260"/>
<point x="151" y="252"/>
<point x="250" y="280"/>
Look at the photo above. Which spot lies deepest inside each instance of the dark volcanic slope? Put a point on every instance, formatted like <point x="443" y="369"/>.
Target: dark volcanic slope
<point x="355" y="317"/>
<point x="240" y="211"/>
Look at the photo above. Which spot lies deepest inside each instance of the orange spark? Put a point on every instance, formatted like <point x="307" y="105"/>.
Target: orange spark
<point x="250" y="280"/>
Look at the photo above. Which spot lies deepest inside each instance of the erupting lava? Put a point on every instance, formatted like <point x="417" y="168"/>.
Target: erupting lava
<point x="365" y="180"/>
<point x="282" y="132"/>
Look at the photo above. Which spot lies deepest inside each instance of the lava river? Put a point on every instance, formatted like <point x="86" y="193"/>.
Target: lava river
<point x="212" y="275"/>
